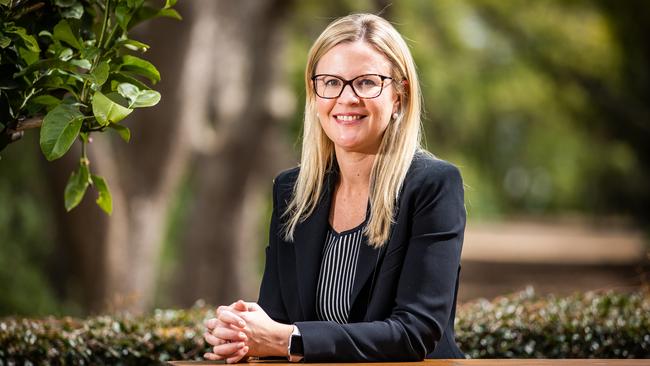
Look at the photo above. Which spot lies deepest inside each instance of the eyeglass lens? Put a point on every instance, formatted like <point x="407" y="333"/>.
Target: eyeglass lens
<point x="365" y="86"/>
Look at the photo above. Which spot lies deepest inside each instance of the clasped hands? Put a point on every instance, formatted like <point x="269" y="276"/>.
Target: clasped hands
<point x="243" y="329"/>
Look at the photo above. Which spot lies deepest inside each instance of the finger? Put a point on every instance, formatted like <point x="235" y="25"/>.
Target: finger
<point x="229" y="334"/>
<point x="227" y="349"/>
<point x="238" y="356"/>
<point x="240" y="305"/>
<point x="221" y="308"/>
<point x="212" y="340"/>
<point x="212" y="356"/>
<point x="231" y="318"/>
<point x="211" y="323"/>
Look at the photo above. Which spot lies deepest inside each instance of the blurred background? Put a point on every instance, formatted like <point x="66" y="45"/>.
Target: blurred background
<point x="542" y="105"/>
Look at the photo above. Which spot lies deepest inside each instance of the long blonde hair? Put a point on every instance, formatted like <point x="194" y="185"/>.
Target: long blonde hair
<point x="400" y="140"/>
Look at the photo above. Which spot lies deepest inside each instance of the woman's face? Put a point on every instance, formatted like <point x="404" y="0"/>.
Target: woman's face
<point x="352" y="123"/>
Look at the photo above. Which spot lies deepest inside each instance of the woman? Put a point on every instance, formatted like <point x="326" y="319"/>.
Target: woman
<point x="366" y="235"/>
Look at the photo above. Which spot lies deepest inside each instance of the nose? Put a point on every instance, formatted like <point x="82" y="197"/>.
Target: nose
<point x="348" y="95"/>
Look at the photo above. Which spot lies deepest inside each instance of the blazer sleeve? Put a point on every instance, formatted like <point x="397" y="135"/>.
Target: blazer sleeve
<point x="426" y="286"/>
<point x="268" y="298"/>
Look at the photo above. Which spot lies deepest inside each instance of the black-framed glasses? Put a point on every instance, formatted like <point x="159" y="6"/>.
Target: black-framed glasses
<point x="366" y="86"/>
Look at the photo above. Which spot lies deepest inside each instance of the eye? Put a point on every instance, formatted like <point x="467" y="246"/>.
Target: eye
<point x="367" y="82"/>
<point x="331" y="82"/>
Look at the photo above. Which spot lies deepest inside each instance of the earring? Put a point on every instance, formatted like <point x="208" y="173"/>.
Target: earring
<point x="395" y="115"/>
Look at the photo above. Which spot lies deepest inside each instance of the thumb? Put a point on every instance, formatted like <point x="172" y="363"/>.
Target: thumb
<point x="240" y="305"/>
<point x="253" y="306"/>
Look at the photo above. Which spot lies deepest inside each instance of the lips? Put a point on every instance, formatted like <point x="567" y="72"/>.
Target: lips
<point x="349" y="118"/>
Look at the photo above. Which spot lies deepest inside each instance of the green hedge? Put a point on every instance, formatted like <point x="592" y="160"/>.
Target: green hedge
<point x="522" y="325"/>
<point x="589" y="325"/>
<point x="103" y="340"/>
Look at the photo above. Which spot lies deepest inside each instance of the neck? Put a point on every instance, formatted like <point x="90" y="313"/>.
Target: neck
<point x="354" y="168"/>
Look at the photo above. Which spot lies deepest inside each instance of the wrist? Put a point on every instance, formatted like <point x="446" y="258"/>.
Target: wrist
<point x="282" y="341"/>
<point x="295" y="350"/>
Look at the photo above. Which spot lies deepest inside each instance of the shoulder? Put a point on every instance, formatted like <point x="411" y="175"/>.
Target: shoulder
<point x="431" y="185"/>
<point x="428" y="171"/>
<point x="284" y="182"/>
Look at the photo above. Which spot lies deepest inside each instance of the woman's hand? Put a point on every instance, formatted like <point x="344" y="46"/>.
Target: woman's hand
<point x="265" y="337"/>
<point x="227" y="338"/>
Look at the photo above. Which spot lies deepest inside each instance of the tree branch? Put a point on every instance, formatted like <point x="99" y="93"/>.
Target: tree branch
<point x="15" y="131"/>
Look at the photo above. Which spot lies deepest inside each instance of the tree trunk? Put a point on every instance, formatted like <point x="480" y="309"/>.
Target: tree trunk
<point x="111" y="263"/>
<point x="234" y="175"/>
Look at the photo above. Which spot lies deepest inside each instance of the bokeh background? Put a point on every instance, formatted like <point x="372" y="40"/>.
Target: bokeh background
<point x="542" y="105"/>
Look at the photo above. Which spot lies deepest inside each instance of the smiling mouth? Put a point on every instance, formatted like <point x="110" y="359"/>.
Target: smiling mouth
<point x="349" y="118"/>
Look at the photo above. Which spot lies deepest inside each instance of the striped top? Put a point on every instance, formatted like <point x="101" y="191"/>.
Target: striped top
<point x="337" y="271"/>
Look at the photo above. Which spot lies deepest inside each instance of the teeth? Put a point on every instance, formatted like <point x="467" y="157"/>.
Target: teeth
<point x="348" y="118"/>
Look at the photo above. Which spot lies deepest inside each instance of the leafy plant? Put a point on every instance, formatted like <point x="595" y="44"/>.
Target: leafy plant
<point x="583" y="325"/>
<point x="69" y="67"/>
<point x="521" y="325"/>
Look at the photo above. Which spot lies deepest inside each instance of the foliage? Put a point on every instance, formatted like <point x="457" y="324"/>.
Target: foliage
<point x="589" y="325"/>
<point x="68" y="63"/>
<point x="522" y="325"/>
<point x="104" y="340"/>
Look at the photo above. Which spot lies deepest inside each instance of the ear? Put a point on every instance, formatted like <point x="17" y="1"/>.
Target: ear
<point x="396" y="104"/>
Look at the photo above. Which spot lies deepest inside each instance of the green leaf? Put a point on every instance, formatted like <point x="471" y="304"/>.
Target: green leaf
<point x="122" y="76"/>
<point x="133" y="45"/>
<point x="138" y="98"/>
<point x="76" y="187"/>
<point x="66" y="54"/>
<point x="46" y="100"/>
<point x="104" y="199"/>
<point x="100" y="73"/>
<point x="45" y="33"/>
<point x="43" y="65"/>
<point x="140" y="67"/>
<point x="59" y="130"/>
<point x="108" y="111"/>
<point x="28" y="40"/>
<point x="89" y="52"/>
<point x="84" y="64"/>
<point x="63" y="32"/>
<point x="123" y="16"/>
<point x="169" y="3"/>
<point x="4" y="41"/>
<point x="76" y="11"/>
<point x="169" y="13"/>
<point x="128" y="91"/>
<point x="121" y="130"/>
<point x="28" y="56"/>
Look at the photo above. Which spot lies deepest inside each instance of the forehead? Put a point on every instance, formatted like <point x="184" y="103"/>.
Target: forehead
<point x="351" y="59"/>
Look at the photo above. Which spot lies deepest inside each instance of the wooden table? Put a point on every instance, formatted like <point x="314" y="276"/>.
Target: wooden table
<point x="474" y="362"/>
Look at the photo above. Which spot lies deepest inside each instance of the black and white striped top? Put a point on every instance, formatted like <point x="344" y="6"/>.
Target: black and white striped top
<point x="337" y="271"/>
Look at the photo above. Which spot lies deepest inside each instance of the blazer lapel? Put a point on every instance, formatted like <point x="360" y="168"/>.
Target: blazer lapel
<point x="365" y="267"/>
<point x="308" y="246"/>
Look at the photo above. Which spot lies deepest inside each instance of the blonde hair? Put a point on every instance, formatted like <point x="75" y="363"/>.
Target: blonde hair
<point x="400" y="140"/>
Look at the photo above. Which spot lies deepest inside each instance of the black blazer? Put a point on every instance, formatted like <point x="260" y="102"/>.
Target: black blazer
<point x="403" y="299"/>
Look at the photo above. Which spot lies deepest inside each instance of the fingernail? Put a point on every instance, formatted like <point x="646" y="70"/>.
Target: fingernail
<point x="242" y="335"/>
<point x="241" y="344"/>
<point x="242" y="324"/>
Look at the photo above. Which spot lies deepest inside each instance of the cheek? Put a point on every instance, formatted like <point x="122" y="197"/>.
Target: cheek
<point x="382" y="114"/>
<point x="323" y="107"/>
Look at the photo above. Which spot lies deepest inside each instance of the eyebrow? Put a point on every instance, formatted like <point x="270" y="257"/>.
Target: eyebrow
<point x="344" y="78"/>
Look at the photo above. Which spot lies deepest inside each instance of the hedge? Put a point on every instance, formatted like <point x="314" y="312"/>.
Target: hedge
<point x="584" y="325"/>
<point x="521" y="325"/>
